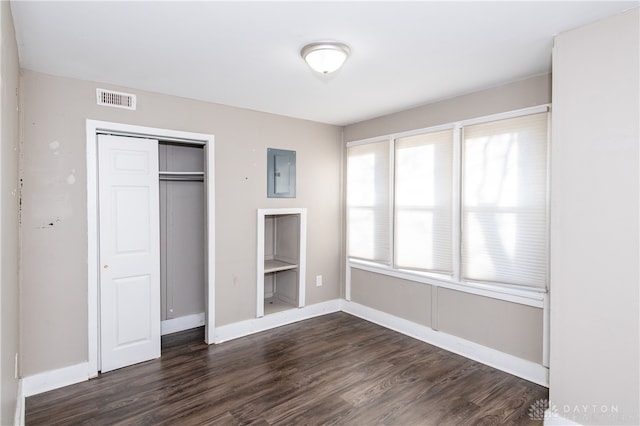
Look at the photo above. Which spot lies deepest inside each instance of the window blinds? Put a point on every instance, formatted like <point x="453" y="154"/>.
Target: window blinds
<point x="423" y="202"/>
<point x="368" y="202"/>
<point x="504" y="201"/>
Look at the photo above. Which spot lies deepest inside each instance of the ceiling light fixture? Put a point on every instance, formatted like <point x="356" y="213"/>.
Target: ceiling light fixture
<point x="325" y="56"/>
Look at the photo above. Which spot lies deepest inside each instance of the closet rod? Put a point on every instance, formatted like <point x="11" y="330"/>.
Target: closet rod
<point x="183" y="178"/>
<point x="167" y="173"/>
<point x="191" y="176"/>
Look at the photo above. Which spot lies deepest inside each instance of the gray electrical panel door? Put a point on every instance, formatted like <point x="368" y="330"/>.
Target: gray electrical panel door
<point x="281" y="173"/>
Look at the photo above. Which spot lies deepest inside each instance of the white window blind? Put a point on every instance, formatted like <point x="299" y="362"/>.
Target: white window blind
<point x="504" y="201"/>
<point x="423" y="202"/>
<point x="368" y="202"/>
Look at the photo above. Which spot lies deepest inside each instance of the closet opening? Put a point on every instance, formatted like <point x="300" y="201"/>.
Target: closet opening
<point x="182" y="236"/>
<point x="127" y="165"/>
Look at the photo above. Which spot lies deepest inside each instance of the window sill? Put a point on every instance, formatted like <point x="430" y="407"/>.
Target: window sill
<point x="525" y="296"/>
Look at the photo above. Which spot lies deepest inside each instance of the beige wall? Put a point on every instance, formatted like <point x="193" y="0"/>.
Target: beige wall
<point x="54" y="283"/>
<point x="509" y="327"/>
<point x="594" y="359"/>
<point x="519" y="329"/>
<point x="9" y="139"/>
<point x="403" y="298"/>
<point x="520" y="94"/>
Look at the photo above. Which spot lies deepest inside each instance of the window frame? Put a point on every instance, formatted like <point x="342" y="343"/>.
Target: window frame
<point x="515" y="210"/>
<point x="528" y="295"/>
<point x="390" y="198"/>
<point x="397" y="208"/>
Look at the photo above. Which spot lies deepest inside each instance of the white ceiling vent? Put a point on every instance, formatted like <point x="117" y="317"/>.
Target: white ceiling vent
<point x="116" y="99"/>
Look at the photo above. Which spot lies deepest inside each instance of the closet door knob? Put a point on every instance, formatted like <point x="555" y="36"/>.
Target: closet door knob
<point x="105" y="266"/>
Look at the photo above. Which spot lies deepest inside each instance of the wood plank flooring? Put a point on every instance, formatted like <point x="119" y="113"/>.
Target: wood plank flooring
<point x="332" y="370"/>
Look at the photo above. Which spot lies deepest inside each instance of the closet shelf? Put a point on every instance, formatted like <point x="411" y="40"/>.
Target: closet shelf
<point x="168" y="173"/>
<point x="195" y="176"/>
<point x="277" y="265"/>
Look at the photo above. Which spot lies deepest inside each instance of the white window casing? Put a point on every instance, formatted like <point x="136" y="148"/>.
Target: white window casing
<point x="466" y="203"/>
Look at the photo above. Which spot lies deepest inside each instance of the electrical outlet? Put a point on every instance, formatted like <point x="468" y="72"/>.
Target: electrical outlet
<point x="318" y="280"/>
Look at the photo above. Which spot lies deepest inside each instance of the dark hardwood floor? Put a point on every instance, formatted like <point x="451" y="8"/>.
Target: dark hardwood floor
<point x="335" y="369"/>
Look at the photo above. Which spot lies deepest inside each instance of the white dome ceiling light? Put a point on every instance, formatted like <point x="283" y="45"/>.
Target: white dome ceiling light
<point x="325" y="56"/>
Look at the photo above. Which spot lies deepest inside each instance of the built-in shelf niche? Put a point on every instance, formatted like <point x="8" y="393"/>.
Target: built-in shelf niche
<point x="282" y="235"/>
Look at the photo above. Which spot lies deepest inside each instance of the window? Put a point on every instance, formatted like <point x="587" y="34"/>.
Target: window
<point x="504" y="207"/>
<point x="423" y="197"/>
<point x="368" y="202"/>
<point x="468" y="203"/>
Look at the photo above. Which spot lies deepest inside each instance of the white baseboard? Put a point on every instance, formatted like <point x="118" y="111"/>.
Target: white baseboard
<point x="256" y="325"/>
<point x="519" y="367"/>
<point x="49" y="380"/>
<point x="18" y="417"/>
<point x="54" y="379"/>
<point x="187" y="322"/>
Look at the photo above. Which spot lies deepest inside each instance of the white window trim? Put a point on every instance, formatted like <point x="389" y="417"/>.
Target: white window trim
<point x="392" y="136"/>
<point x="525" y="296"/>
<point x="484" y="119"/>
<point x="530" y="296"/>
<point x="392" y="197"/>
<point x="456" y="184"/>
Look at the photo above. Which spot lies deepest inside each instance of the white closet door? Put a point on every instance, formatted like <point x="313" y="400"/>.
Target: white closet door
<point x="129" y="251"/>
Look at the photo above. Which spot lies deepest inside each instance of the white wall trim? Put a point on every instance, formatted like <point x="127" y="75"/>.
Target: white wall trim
<point x="493" y="117"/>
<point x="18" y="417"/>
<point x="532" y="297"/>
<point x="546" y="331"/>
<point x="260" y="266"/>
<point x="244" y="328"/>
<point x="347" y="283"/>
<point x="210" y="250"/>
<point x="54" y="379"/>
<point x="92" y="129"/>
<point x="302" y="263"/>
<point x="519" y="367"/>
<point x="186" y="322"/>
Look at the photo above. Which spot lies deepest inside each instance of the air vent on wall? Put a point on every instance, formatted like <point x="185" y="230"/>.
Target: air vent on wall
<point x="116" y="99"/>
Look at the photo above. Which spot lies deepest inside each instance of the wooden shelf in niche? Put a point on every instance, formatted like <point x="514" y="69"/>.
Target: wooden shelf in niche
<point x="281" y="255"/>
<point x="273" y="265"/>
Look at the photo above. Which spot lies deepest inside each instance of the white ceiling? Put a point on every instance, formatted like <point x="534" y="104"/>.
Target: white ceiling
<point x="246" y="54"/>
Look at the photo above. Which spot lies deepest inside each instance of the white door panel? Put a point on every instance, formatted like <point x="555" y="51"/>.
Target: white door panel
<point x="133" y="310"/>
<point x="131" y="208"/>
<point x="129" y="251"/>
